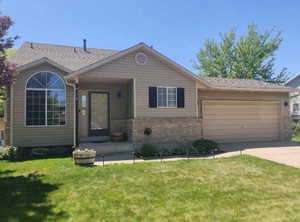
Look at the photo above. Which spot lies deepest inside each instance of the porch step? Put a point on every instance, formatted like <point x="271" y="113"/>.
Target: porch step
<point x="87" y="139"/>
<point x="108" y="147"/>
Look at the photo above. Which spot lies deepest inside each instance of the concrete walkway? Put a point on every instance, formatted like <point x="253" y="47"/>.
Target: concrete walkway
<point x="281" y="152"/>
<point x="128" y="158"/>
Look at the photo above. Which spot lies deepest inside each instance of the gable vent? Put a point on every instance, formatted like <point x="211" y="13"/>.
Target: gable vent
<point x="141" y="58"/>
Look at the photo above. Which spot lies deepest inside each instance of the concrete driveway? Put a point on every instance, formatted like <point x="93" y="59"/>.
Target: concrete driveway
<point x="281" y="152"/>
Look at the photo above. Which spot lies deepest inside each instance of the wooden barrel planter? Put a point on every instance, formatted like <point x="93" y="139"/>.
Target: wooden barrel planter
<point x="84" y="157"/>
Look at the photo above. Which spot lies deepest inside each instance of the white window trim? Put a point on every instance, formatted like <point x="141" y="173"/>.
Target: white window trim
<point x="46" y="111"/>
<point x="167" y="87"/>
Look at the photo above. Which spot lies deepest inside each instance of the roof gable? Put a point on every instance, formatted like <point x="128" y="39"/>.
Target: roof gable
<point x="42" y="61"/>
<point x="138" y="47"/>
<point x="153" y="72"/>
<point x="294" y="82"/>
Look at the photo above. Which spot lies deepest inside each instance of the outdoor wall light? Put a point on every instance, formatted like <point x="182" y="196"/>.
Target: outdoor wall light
<point x="286" y="103"/>
<point x="148" y="131"/>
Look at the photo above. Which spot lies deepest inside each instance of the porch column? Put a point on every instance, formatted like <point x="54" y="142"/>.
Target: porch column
<point x="76" y="115"/>
<point x="134" y="97"/>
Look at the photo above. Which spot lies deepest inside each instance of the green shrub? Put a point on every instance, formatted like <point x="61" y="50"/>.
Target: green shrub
<point x="23" y="153"/>
<point x="179" y="151"/>
<point x="296" y="128"/>
<point x="192" y="151"/>
<point x="15" y="153"/>
<point x="148" y="150"/>
<point x="165" y="152"/>
<point x="26" y="153"/>
<point x="40" y="152"/>
<point x="62" y="150"/>
<point x="8" y="153"/>
<point x="204" y="146"/>
<point x="12" y="153"/>
<point x="3" y="154"/>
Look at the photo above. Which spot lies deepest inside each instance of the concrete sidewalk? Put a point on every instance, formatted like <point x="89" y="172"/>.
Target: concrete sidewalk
<point x="128" y="158"/>
<point x="281" y="152"/>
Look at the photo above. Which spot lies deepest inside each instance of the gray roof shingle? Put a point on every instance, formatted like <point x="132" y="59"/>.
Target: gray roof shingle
<point x="75" y="58"/>
<point x="241" y="83"/>
<point x="70" y="57"/>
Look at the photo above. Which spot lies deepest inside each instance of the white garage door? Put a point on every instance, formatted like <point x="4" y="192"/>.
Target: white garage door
<point x="232" y="121"/>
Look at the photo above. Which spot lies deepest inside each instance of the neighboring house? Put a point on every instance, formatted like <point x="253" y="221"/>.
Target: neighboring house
<point x="294" y="98"/>
<point x="68" y="95"/>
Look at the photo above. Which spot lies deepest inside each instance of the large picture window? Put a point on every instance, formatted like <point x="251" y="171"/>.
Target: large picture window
<point x="167" y="97"/>
<point x="45" y="100"/>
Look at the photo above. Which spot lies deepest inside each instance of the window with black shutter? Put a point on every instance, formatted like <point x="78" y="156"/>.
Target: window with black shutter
<point x="180" y="97"/>
<point x="153" y="97"/>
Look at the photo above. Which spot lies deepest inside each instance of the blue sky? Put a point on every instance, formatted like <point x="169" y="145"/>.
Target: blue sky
<point x="175" y="28"/>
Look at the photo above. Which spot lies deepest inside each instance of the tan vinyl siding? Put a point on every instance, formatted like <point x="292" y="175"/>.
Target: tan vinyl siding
<point x="40" y="136"/>
<point x="154" y="73"/>
<point x="231" y="116"/>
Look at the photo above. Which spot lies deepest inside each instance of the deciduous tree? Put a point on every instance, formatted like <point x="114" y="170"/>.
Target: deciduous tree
<point x="248" y="57"/>
<point x="7" y="69"/>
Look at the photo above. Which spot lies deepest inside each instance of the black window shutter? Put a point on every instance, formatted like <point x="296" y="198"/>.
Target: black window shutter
<point x="180" y="97"/>
<point x="152" y="97"/>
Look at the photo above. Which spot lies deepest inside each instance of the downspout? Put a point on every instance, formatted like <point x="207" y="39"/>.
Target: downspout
<point x="11" y="115"/>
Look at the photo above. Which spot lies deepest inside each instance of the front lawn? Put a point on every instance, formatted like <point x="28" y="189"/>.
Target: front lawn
<point x="240" y="188"/>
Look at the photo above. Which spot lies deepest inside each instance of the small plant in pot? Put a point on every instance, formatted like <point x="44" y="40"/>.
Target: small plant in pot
<point x="84" y="156"/>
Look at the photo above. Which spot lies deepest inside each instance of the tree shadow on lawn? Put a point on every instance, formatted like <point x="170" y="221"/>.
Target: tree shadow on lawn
<point x="24" y="198"/>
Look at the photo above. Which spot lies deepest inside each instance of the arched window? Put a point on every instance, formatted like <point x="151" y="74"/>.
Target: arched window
<point x="45" y="100"/>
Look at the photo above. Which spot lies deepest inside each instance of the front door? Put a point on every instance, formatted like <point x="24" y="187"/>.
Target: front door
<point x="99" y="114"/>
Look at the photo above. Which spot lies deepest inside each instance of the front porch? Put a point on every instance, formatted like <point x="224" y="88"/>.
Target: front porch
<point x="106" y="148"/>
<point x="105" y="107"/>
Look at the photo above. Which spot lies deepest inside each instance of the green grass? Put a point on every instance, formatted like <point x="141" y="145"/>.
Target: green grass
<point x="240" y="188"/>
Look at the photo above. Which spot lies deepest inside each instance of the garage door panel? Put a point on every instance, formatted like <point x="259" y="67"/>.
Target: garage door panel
<point x="247" y="109"/>
<point x="233" y="117"/>
<point x="240" y="121"/>
<point x="248" y="139"/>
<point x="239" y="102"/>
<point x="242" y="131"/>
<point x="240" y="138"/>
<point x="237" y="111"/>
<point x="239" y="126"/>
